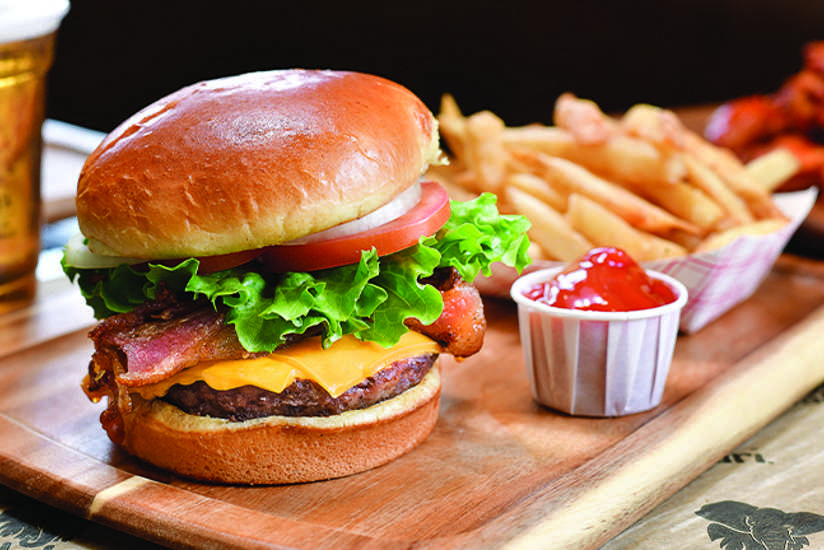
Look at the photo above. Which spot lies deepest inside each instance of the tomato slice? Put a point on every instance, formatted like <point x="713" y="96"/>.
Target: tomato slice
<point x="425" y="218"/>
<point x="211" y="264"/>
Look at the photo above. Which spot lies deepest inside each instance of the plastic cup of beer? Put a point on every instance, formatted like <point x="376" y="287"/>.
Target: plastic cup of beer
<point x="27" y="36"/>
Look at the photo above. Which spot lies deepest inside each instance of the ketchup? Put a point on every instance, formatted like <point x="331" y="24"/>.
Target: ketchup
<point x="604" y="279"/>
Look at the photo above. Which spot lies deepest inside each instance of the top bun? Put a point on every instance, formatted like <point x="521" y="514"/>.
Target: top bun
<point x="252" y="160"/>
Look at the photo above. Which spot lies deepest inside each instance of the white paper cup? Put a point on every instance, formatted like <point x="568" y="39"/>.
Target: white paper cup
<point x="597" y="363"/>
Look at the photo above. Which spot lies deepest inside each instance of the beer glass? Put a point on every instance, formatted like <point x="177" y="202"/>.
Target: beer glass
<point x="27" y="33"/>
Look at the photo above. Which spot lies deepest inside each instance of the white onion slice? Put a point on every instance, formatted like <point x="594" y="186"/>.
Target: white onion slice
<point x="77" y="254"/>
<point x="392" y="210"/>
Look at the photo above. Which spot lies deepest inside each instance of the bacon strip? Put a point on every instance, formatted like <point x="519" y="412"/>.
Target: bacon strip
<point x="461" y="328"/>
<point x="161" y="338"/>
<point x="154" y="341"/>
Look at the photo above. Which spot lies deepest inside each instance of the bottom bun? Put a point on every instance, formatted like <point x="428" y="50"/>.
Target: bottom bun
<point x="282" y="449"/>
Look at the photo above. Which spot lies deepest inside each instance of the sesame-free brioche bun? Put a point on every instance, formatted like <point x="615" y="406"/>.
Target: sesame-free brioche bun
<point x="282" y="449"/>
<point x="252" y="160"/>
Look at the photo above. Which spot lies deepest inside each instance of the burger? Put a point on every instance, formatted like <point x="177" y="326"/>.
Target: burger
<point x="273" y="280"/>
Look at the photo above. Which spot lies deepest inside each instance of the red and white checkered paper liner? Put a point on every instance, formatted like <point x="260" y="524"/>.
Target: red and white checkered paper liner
<point x="716" y="280"/>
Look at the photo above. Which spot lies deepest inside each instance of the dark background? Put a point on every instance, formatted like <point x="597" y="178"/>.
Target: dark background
<point x="514" y="58"/>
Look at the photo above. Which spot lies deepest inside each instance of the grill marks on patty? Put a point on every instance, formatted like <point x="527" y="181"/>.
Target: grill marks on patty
<point x="302" y="397"/>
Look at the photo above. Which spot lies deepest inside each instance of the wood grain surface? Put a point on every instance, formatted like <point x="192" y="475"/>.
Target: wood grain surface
<point x="498" y="470"/>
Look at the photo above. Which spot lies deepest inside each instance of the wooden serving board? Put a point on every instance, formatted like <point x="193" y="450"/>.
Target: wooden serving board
<point x="498" y="470"/>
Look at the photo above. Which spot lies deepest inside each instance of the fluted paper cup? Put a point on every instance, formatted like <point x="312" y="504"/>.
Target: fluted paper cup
<point x="596" y="363"/>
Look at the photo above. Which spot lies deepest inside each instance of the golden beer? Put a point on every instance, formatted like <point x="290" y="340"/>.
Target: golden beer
<point x="24" y="62"/>
<point x="22" y="103"/>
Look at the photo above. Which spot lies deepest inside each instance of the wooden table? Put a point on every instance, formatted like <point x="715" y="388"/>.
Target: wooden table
<point x="497" y="471"/>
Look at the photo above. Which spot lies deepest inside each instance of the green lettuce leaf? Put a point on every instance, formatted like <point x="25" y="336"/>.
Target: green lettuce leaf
<point x="370" y="299"/>
<point x="476" y="236"/>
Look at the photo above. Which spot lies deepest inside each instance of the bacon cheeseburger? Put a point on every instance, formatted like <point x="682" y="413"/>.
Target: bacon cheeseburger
<point x="275" y="282"/>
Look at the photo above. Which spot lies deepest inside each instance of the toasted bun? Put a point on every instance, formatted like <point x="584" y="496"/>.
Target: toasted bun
<point x="252" y="160"/>
<point x="281" y="449"/>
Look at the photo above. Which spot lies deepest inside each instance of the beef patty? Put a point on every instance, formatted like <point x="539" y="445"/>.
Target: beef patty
<point x="302" y="397"/>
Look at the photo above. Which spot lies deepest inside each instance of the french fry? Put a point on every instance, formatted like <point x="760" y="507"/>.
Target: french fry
<point x="732" y="171"/>
<point x="604" y="228"/>
<point x="537" y="253"/>
<point x="687" y="241"/>
<point x="772" y="169"/>
<point x="540" y="188"/>
<point x="685" y="201"/>
<point x="583" y="119"/>
<point x="484" y="150"/>
<point x="720" y="239"/>
<point x="627" y="205"/>
<point x="656" y="125"/>
<point x="452" y="126"/>
<point x="632" y="159"/>
<point x="458" y="183"/>
<point x="549" y="228"/>
<point x="703" y="177"/>
<point x="620" y="157"/>
<point x="550" y="140"/>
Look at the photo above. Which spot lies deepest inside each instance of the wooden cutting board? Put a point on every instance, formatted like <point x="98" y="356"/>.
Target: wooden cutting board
<point x="498" y="470"/>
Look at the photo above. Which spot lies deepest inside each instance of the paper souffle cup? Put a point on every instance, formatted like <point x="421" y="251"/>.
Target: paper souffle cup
<point x="717" y="280"/>
<point x="595" y="363"/>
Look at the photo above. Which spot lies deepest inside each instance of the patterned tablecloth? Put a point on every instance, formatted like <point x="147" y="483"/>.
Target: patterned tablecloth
<point x="768" y="494"/>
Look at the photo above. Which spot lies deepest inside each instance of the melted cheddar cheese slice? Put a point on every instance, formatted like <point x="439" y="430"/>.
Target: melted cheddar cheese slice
<point x="347" y="363"/>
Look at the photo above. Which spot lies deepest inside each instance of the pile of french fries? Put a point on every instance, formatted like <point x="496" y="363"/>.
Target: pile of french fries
<point x="642" y="182"/>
